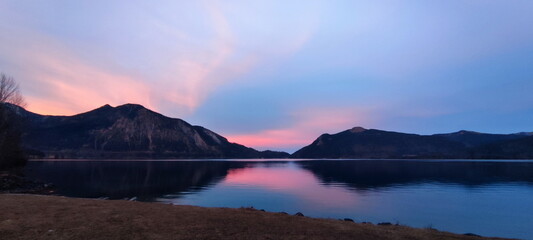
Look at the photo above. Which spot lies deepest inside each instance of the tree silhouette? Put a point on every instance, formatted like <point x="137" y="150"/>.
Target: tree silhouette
<point x="9" y="91"/>
<point x="11" y="154"/>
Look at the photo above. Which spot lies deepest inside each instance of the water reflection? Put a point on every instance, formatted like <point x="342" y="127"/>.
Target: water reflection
<point x="487" y="198"/>
<point x="145" y="180"/>
<point x="365" y="175"/>
<point x="151" y="179"/>
<point x="289" y="179"/>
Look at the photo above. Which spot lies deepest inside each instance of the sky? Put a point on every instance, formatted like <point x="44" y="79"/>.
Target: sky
<point x="277" y="74"/>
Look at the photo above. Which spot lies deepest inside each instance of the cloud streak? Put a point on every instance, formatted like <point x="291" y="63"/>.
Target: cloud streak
<point x="56" y="81"/>
<point x="60" y="80"/>
<point x="173" y="70"/>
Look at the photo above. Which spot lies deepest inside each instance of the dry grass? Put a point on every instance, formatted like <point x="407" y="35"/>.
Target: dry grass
<point x="51" y="217"/>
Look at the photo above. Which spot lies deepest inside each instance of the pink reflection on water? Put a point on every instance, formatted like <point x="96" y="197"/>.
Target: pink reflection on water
<point x="294" y="181"/>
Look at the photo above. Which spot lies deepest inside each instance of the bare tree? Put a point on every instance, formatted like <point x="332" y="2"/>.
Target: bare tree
<point x="9" y="91"/>
<point x="11" y="152"/>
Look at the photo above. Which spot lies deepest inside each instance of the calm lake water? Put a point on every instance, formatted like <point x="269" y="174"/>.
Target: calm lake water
<point x="490" y="198"/>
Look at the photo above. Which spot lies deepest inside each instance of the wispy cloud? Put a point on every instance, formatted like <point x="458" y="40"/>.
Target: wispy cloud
<point x="146" y="55"/>
<point x="57" y="79"/>
<point x="188" y="80"/>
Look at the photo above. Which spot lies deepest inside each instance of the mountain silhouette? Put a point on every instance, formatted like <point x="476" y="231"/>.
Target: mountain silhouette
<point x="378" y="144"/>
<point x="126" y="131"/>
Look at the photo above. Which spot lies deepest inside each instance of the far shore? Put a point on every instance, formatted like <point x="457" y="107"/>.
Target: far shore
<point x="270" y="159"/>
<point x="52" y="217"/>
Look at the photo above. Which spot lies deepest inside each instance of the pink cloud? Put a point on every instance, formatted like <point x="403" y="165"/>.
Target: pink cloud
<point x="157" y="58"/>
<point x="277" y="138"/>
<point x="58" y="79"/>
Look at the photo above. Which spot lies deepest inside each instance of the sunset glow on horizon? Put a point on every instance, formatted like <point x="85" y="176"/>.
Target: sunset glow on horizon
<point x="276" y="75"/>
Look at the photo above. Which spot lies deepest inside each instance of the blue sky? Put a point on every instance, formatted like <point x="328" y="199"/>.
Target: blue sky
<point x="277" y="74"/>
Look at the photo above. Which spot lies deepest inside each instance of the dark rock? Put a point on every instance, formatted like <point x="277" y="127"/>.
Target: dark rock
<point x="262" y="210"/>
<point x="348" y="220"/>
<point x="471" y="234"/>
<point x="299" y="214"/>
<point x="384" y="224"/>
<point x="10" y="183"/>
<point x="284" y="213"/>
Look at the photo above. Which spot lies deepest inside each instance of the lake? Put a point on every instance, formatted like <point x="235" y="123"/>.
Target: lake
<point x="489" y="198"/>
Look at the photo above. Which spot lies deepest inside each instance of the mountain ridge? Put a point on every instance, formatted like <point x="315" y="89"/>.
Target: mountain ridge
<point x="126" y="131"/>
<point x="133" y="131"/>
<point x="359" y="142"/>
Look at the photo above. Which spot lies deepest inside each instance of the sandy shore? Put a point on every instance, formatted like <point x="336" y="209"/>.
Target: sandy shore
<point x="51" y="217"/>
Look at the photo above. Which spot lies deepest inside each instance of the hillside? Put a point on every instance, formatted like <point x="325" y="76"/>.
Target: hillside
<point x="127" y="131"/>
<point x="377" y="144"/>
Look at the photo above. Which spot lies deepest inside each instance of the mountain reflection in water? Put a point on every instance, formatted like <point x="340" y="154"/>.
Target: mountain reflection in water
<point x="145" y="180"/>
<point x="491" y="198"/>
<point x="363" y="175"/>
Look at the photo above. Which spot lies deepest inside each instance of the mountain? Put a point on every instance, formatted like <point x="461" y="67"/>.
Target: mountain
<point x="474" y="139"/>
<point x="362" y="143"/>
<point x="371" y="143"/>
<point x="521" y="148"/>
<point x="127" y="131"/>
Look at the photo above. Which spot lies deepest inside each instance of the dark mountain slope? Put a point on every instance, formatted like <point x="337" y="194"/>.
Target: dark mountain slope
<point x="127" y="131"/>
<point x="513" y="149"/>
<point x="473" y="139"/>
<point x="362" y="143"/>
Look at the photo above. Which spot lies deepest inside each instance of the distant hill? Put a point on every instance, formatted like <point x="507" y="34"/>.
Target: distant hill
<point x="127" y="131"/>
<point x="474" y="139"/>
<point x="521" y="148"/>
<point x="371" y="143"/>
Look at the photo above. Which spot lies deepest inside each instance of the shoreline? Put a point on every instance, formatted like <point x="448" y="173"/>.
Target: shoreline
<point x="17" y="183"/>
<point x="273" y="159"/>
<point x="27" y="216"/>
